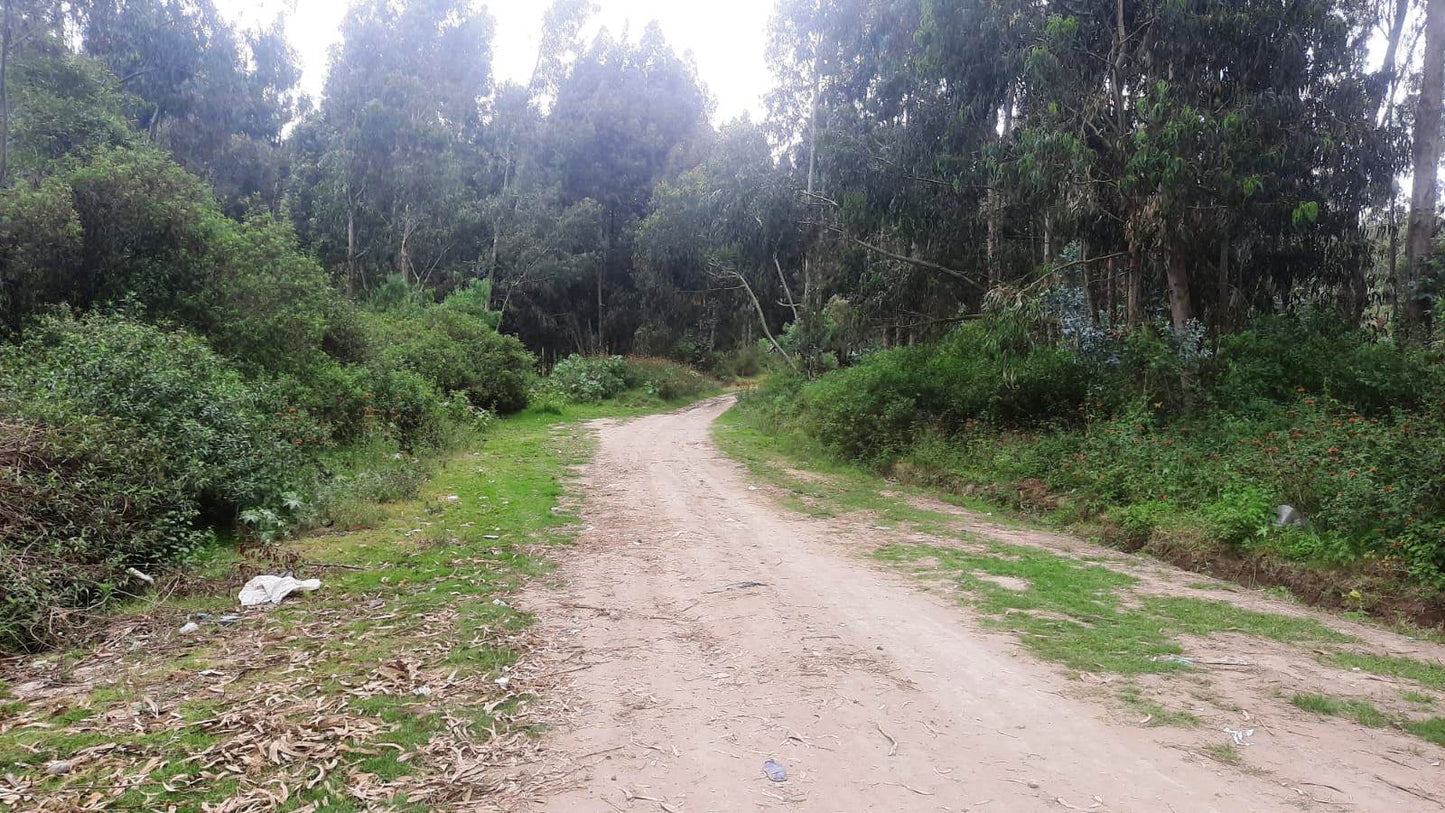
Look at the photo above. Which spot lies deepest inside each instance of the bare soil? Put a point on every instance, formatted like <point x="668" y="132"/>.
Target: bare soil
<point x="699" y="629"/>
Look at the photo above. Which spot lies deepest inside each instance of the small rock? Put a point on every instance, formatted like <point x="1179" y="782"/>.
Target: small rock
<point x="200" y="616"/>
<point x="190" y="627"/>
<point x="58" y="767"/>
<point x="1288" y="515"/>
<point x="502" y="681"/>
<point x="229" y="619"/>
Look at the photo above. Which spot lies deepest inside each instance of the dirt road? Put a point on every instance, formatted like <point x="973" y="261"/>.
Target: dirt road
<point x="682" y="677"/>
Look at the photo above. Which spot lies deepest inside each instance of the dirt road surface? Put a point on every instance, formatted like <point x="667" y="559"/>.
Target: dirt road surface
<point x="876" y="695"/>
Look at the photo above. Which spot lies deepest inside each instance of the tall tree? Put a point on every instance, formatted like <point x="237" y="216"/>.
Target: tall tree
<point x="627" y="115"/>
<point x="386" y="167"/>
<point x="1425" y="191"/>
<point x="217" y="98"/>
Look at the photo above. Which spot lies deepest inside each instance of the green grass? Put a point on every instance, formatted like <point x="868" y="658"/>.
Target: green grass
<point x="1418" y="698"/>
<point x="832" y="486"/>
<point x="1224" y="752"/>
<point x="1155" y="713"/>
<point x="1075" y="613"/>
<point x="1431" y="675"/>
<point x="450" y="578"/>
<point x="1361" y="711"/>
<point x="1066" y="609"/>
<point x="1432" y="729"/>
<point x="1366" y="714"/>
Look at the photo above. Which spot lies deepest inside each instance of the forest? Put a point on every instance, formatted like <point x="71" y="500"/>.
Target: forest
<point x="1158" y="265"/>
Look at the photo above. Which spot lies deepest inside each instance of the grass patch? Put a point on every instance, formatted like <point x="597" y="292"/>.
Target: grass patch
<point x="1066" y="609"/>
<point x="831" y="486"/>
<point x="1432" y="729"/>
<point x="1418" y="698"/>
<point x="1361" y="711"/>
<point x="1075" y="613"/>
<point x="1427" y="674"/>
<point x="1156" y="714"/>
<point x="1366" y="714"/>
<point x="1224" y="752"/>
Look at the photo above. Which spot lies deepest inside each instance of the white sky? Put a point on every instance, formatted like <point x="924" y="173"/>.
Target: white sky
<point x="727" y="38"/>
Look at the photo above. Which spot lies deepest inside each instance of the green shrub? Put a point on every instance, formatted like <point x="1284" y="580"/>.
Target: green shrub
<point x="224" y="445"/>
<point x="1239" y="514"/>
<point x="456" y="351"/>
<point x="1138" y="520"/>
<point x="662" y="378"/>
<point x="588" y="379"/>
<point x="871" y="411"/>
<point x="1320" y="354"/>
<point x="83" y="501"/>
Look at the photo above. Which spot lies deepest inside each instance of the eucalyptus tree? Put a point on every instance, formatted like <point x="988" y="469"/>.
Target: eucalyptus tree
<point x="720" y="252"/>
<point x="386" y="169"/>
<point x="218" y="99"/>
<point x="1211" y="157"/>
<point x="1425" y="191"/>
<point x="626" y="116"/>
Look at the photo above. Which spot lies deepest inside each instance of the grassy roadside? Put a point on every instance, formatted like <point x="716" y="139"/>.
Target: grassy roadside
<point x="1082" y="614"/>
<point x="388" y="687"/>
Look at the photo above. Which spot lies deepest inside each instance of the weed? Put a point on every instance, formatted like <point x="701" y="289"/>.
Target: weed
<point x="1224" y="752"/>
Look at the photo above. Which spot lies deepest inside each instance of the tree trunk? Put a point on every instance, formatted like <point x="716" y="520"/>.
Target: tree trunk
<point x="812" y="167"/>
<point x="1427" y="164"/>
<point x="350" y="242"/>
<point x="1110" y="292"/>
<point x="1132" y="303"/>
<point x="1176" y="272"/>
<point x="1221" y="301"/>
<point x="497" y="218"/>
<point x="1091" y="300"/>
<point x="1388" y="70"/>
<point x="763" y="320"/>
<point x="994" y="201"/>
<point x="5" y="35"/>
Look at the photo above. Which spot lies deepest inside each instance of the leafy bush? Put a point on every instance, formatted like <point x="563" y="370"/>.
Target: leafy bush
<point x="1321" y="355"/>
<point x="1239" y="514"/>
<point x="874" y="409"/>
<point x="79" y="503"/>
<point x="662" y="378"/>
<point x="456" y="351"/>
<point x="1348" y="430"/>
<point x="588" y="379"/>
<point x="224" y="445"/>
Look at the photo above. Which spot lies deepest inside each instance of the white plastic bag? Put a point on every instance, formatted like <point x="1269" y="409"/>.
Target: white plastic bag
<point x="264" y="589"/>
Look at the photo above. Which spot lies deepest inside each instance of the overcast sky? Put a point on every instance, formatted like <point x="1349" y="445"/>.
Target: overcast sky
<point x="726" y="37"/>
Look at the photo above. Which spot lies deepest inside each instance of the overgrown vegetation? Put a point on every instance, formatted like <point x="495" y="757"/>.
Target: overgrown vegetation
<point x="590" y="379"/>
<point x="1299" y="411"/>
<point x="173" y="371"/>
